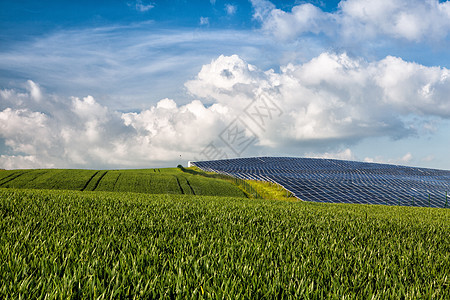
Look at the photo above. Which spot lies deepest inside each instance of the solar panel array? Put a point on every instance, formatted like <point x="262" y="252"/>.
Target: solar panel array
<point x="339" y="181"/>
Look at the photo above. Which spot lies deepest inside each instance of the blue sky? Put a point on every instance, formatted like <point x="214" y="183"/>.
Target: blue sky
<point x="117" y="84"/>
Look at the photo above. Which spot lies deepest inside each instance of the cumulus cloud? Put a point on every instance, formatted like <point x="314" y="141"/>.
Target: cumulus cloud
<point x="226" y="75"/>
<point x="22" y="162"/>
<point x="410" y="20"/>
<point x="333" y="100"/>
<point x="332" y="97"/>
<point x="287" y="25"/>
<point x="80" y="132"/>
<point x="26" y="129"/>
<point x="360" y="19"/>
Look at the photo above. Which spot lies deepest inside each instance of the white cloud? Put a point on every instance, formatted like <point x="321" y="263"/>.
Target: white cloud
<point x="23" y="130"/>
<point x="406" y="159"/>
<point x="345" y="154"/>
<point x="35" y="91"/>
<point x="331" y="97"/>
<point x="141" y="6"/>
<point x="125" y="67"/>
<point x="223" y="76"/>
<point x="410" y="20"/>
<point x="87" y="134"/>
<point x="332" y="100"/>
<point x="303" y="18"/>
<point x="262" y="9"/>
<point x="428" y="158"/>
<point x="204" y="21"/>
<point x="360" y="20"/>
<point x="22" y="162"/>
<point x="230" y="9"/>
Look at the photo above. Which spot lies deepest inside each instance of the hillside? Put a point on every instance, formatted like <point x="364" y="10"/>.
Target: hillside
<point x="151" y="181"/>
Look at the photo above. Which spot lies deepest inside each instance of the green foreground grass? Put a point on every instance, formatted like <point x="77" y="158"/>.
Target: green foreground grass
<point x="152" y="181"/>
<point x="98" y="245"/>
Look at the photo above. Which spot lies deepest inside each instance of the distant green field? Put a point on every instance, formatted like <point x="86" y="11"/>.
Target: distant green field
<point x="102" y="245"/>
<point x="152" y="181"/>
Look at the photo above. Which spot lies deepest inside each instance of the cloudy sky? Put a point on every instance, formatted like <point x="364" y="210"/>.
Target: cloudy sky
<point x="135" y="84"/>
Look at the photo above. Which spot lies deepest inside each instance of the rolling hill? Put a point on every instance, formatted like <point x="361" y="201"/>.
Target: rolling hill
<point x="150" y="181"/>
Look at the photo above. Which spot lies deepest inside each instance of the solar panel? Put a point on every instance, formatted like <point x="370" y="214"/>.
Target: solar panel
<point x="340" y="181"/>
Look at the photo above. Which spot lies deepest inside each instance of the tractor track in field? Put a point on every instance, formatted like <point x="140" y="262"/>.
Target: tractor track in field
<point x="12" y="177"/>
<point x="179" y="185"/>
<point x="98" y="181"/>
<point x="115" y="182"/>
<point x="90" y="179"/>
<point x="192" y="190"/>
<point x="36" y="177"/>
<point x="9" y="176"/>
<point x="104" y="180"/>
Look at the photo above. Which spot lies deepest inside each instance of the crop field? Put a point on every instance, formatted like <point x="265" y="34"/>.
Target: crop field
<point x="98" y="245"/>
<point x="152" y="181"/>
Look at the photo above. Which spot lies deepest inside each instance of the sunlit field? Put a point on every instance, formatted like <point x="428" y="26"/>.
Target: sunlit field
<point x="74" y="244"/>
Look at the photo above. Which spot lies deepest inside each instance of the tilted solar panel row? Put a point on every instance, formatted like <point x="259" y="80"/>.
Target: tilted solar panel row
<point x="339" y="181"/>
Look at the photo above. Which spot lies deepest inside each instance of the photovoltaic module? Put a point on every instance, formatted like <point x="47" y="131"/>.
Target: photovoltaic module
<point x="339" y="181"/>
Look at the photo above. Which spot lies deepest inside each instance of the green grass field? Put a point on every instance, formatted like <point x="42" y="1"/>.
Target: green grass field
<point x="103" y="245"/>
<point x="152" y="181"/>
